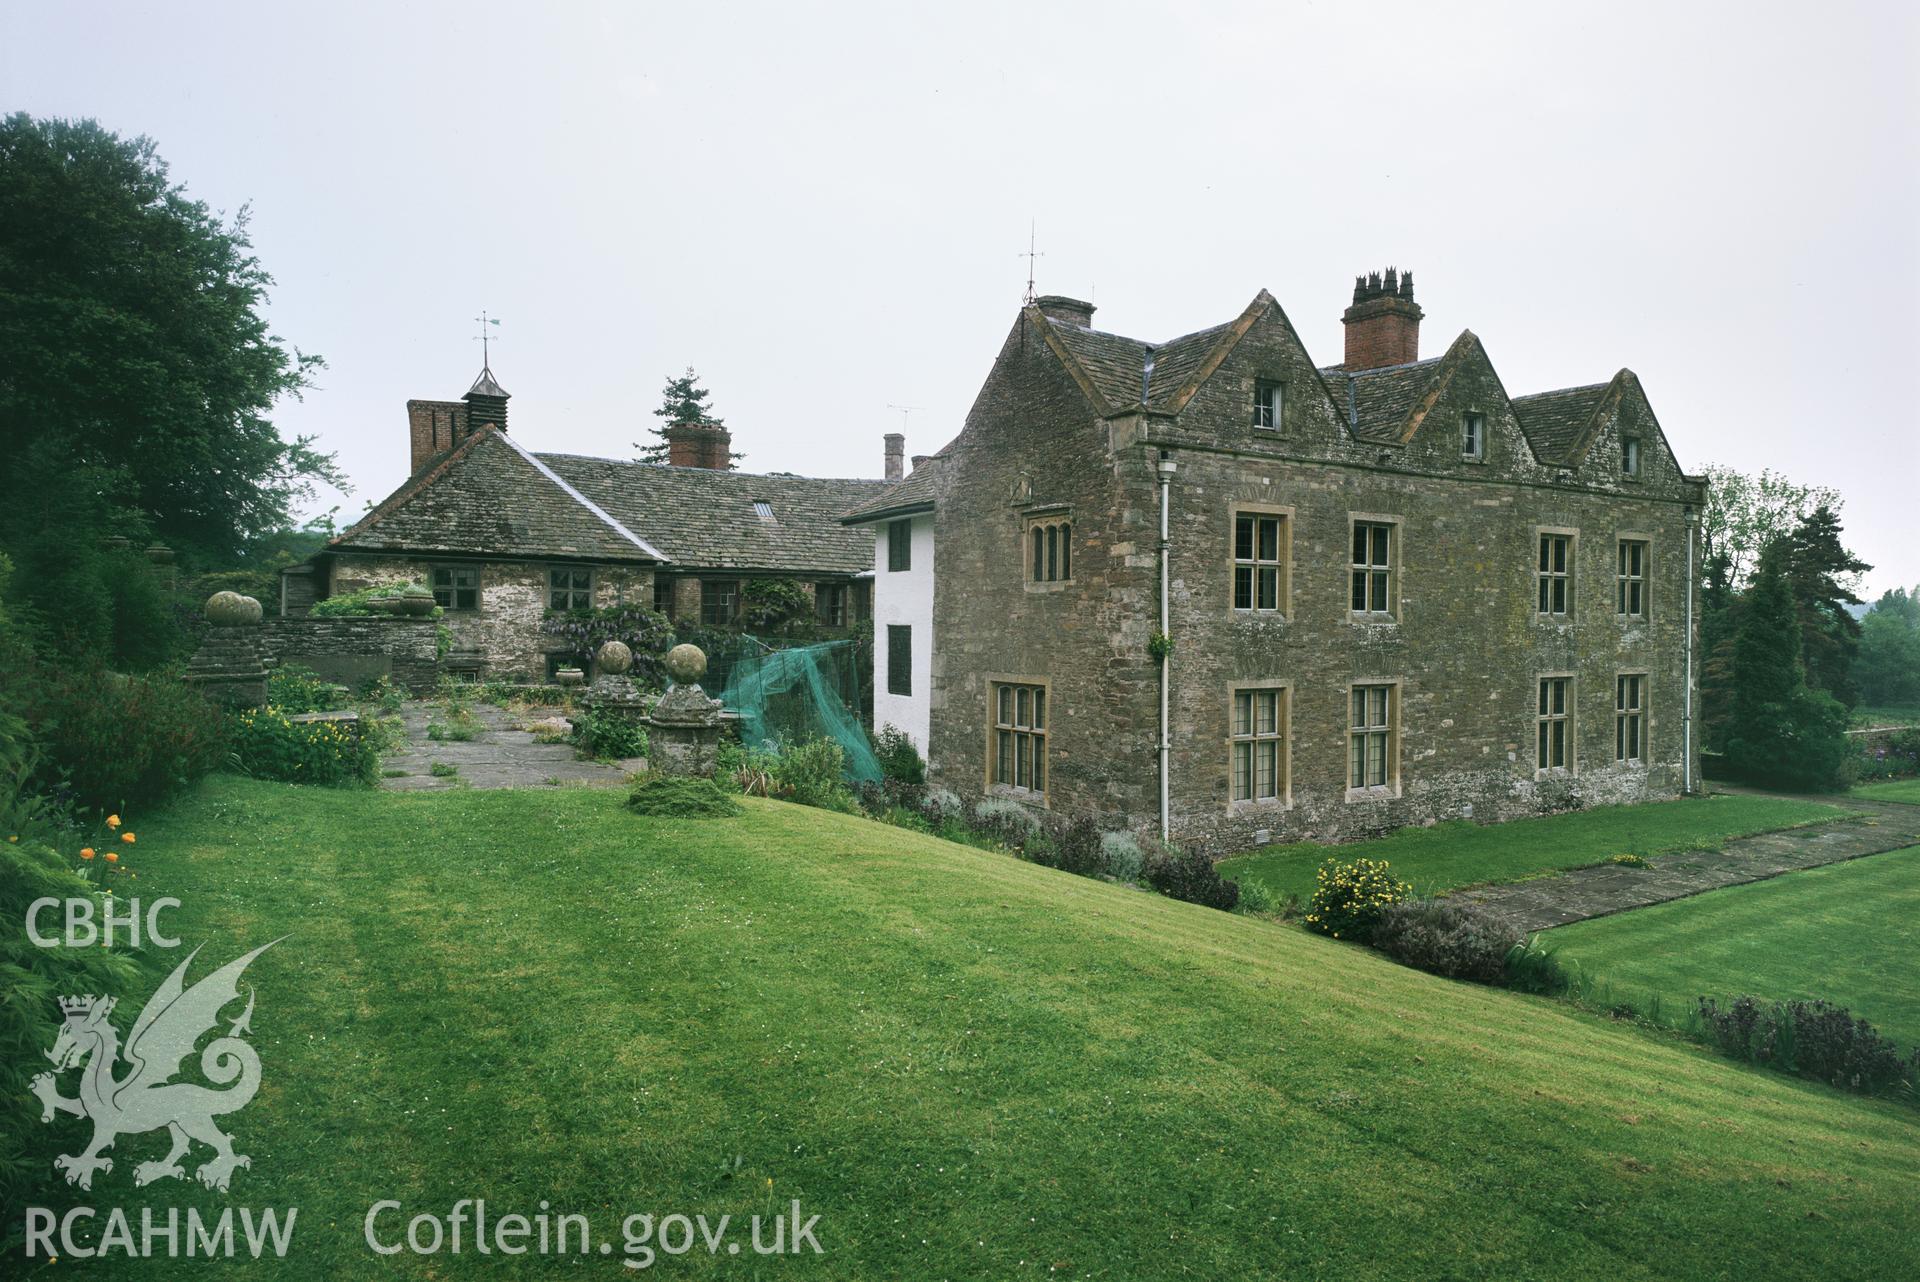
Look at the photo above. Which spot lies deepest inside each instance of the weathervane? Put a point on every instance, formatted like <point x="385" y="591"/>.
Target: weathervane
<point x="1030" y="255"/>
<point x="483" y="320"/>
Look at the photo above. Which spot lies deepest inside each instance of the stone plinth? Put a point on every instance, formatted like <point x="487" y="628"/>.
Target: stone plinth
<point x="683" y="734"/>
<point x="230" y="665"/>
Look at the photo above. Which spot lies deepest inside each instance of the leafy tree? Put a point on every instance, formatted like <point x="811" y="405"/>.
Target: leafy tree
<point x="1819" y="570"/>
<point x="1887" y="667"/>
<point x="1779" y="732"/>
<point x="1745" y="513"/>
<point x="138" y="367"/>
<point x="683" y="400"/>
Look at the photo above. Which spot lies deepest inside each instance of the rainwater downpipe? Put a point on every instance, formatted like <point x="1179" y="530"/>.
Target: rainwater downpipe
<point x="1686" y="719"/>
<point x="1166" y="649"/>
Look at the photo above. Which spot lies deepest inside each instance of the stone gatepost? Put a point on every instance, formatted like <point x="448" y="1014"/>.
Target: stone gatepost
<point x="613" y="692"/>
<point x="230" y="665"/>
<point x="684" y="730"/>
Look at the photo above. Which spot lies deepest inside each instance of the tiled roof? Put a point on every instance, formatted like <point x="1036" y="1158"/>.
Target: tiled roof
<point x="913" y="493"/>
<point x="1113" y="364"/>
<point x="706" y="519"/>
<point x="1379" y="399"/>
<point x="1554" y="420"/>
<point x="487" y="497"/>
<point x="1176" y="361"/>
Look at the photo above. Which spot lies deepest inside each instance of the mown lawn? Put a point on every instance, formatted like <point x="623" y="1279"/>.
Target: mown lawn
<point x="1902" y="715"/>
<point x="1906" y="790"/>
<point x="1848" y="933"/>
<point x="968" y="1066"/>
<point x="1451" y="855"/>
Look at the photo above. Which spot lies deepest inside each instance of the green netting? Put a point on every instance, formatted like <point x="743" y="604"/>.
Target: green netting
<point x="808" y="692"/>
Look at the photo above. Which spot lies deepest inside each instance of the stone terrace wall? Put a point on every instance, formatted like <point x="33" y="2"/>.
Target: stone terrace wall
<point x="353" y="650"/>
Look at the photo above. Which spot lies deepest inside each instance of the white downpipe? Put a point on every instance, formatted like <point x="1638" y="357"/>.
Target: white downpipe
<point x="1166" y="657"/>
<point x="1686" y="720"/>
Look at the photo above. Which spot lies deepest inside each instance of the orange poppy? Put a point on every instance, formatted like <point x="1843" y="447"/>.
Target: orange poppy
<point x="113" y="821"/>
<point x="113" y="857"/>
<point x="86" y="852"/>
<point x="127" y="837"/>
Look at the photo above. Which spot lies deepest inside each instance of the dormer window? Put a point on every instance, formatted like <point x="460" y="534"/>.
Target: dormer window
<point x="1630" y="455"/>
<point x="1269" y="405"/>
<point x="1473" y="437"/>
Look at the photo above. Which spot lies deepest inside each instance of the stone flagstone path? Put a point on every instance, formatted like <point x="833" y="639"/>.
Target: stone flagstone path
<point x="499" y="757"/>
<point x="1545" y="902"/>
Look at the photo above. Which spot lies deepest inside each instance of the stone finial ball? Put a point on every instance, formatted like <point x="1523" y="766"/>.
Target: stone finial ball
<point x="613" y="658"/>
<point x="231" y="610"/>
<point x="686" y="663"/>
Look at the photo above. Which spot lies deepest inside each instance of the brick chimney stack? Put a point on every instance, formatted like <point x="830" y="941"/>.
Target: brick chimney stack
<point x="896" y="454"/>
<point x="700" y="445"/>
<point x="1383" y="325"/>
<point x="433" y="427"/>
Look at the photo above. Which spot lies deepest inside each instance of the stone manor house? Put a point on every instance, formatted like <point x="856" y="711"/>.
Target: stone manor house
<point x="1208" y="589"/>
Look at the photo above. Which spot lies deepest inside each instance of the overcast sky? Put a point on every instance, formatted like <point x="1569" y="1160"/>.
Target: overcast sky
<point x="822" y="210"/>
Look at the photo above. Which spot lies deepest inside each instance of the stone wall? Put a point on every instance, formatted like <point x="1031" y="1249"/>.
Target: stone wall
<point x="504" y="629"/>
<point x="1464" y="647"/>
<point x="352" y="651"/>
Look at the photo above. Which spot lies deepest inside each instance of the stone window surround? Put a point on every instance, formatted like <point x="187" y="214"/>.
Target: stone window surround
<point x="1285" y="800"/>
<point x="1479" y="454"/>
<point x="1058" y="516"/>
<point x="1275" y="411"/>
<point x="455" y="568"/>
<point x="1235" y="510"/>
<point x="1646" y="574"/>
<point x="1396" y="568"/>
<point x="990" y="683"/>
<point x="1636" y="445"/>
<point x="1395" y="738"/>
<point x="1646" y="718"/>
<point x="1572" y="719"/>
<point x="1572" y="534"/>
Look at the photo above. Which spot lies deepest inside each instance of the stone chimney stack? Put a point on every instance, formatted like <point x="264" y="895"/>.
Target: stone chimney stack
<point x="700" y="445"/>
<point x="1383" y="324"/>
<point x="896" y="452"/>
<point x="1070" y="310"/>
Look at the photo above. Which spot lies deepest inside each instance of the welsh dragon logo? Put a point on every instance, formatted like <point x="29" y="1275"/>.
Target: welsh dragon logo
<point x="144" y="1098"/>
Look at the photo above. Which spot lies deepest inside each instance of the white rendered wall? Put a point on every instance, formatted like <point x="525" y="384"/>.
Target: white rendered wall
<point x="904" y="597"/>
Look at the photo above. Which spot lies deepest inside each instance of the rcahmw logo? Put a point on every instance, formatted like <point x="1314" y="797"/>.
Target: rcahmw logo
<point x="144" y="1097"/>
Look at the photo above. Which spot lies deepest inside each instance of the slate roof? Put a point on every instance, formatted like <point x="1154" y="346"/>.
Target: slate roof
<point x="1379" y="400"/>
<point x="492" y="497"/>
<point x="1554" y="421"/>
<point x="1127" y="372"/>
<point x="489" y="497"/>
<point x="912" y="494"/>
<point x="705" y="519"/>
<point x="1115" y="365"/>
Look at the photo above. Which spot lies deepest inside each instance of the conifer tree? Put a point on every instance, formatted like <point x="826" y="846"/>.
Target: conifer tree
<point x="1818" y="566"/>
<point x="683" y="400"/>
<point x="1779" y="732"/>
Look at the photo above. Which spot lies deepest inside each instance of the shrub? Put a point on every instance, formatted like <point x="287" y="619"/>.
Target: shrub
<point x="607" y="736"/>
<point x="267" y="744"/>
<point x="1191" y="876"/>
<point x="1816" y="1039"/>
<point x="385" y="694"/>
<point x="647" y="633"/>
<point x="293" y="688"/>
<point x="1348" y="898"/>
<point x="113" y="742"/>
<point x="1006" y="822"/>
<point x="1075" y="849"/>
<point x="771" y="605"/>
<point x="899" y="759"/>
<point x="1456" y="940"/>
<point x="1121" y="857"/>
<point x="1257" y="899"/>
<point x="943" y="805"/>
<point x="360" y="602"/>
<point x="681" y="797"/>
<point x="812" y="773"/>
<point x="1897" y="757"/>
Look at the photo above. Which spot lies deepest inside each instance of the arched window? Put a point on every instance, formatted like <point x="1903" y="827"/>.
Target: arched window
<point x="1052" y="550"/>
<point x="1039" y="556"/>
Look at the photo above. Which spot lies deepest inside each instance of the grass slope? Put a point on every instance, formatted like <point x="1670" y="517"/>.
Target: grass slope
<point x="1450" y="855"/>
<point x="969" y="1066"/>
<point x="1847" y="932"/>
<point x="1902" y="790"/>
